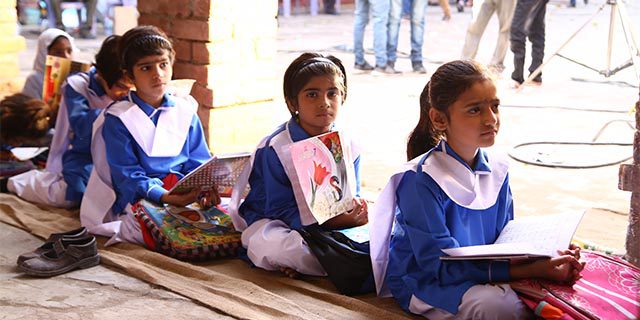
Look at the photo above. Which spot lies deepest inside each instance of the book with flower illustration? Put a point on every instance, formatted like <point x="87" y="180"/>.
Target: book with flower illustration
<point x="324" y="166"/>
<point x="56" y="71"/>
<point x="220" y="171"/>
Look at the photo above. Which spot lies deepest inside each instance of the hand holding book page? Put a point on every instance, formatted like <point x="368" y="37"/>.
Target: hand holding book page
<point x="325" y="174"/>
<point x="527" y="237"/>
<point x="220" y="172"/>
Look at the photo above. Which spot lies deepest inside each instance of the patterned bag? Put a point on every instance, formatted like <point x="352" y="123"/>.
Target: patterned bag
<point x="188" y="233"/>
<point x="609" y="289"/>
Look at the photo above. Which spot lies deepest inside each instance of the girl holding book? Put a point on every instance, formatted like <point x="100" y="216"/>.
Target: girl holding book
<point x="315" y="86"/>
<point x="453" y="193"/>
<point x="148" y="139"/>
<point x="84" y="96"/>
<point x="54" y="42"/>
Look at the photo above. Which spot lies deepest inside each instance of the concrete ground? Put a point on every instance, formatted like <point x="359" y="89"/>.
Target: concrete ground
<point x="573" y="104"/>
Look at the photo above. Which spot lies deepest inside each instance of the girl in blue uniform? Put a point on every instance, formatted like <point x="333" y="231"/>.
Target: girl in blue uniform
<point x="144" y="138"/>
<point x="452" y="194"/>
<point x="84" y="96"/>
<point x="315" y="87"/>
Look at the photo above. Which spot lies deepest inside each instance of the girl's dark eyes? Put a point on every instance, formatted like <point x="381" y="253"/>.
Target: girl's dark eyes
<point x="312" y="94"/>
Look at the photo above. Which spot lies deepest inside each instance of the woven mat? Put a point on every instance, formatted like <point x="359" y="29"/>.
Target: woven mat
<point x="227" y="286"/>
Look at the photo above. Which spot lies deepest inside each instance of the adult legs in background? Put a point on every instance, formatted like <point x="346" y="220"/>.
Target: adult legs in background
<point x="537" y="36"/>
<point x="417" y="34"/>
<point x="505" y="9"/>
<point x="518" y="37"/>
<point x="395" y="16"/>
<point x="480" y="15"/>
<point x="361" y="20"/>
<point x="380" y="18"/>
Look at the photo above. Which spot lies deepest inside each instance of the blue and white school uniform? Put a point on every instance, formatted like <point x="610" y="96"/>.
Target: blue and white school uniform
<point x="69" y="164"/>
<point x="135" y="146"/>
<point x="436" y="202"/>
<point x="274" y="208"/>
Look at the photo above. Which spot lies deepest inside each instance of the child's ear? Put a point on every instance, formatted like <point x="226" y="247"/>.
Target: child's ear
<point x="293" y="108"/>
<point x="438" y="119"/>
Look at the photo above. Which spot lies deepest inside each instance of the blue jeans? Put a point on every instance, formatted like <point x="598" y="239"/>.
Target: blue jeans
<point x="380" y="16"/>
<point x="418" y="8"/>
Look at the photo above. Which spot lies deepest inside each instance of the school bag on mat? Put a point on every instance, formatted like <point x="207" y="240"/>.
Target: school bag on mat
<point x="609" y="290"/>
<point x="189" y="233"/>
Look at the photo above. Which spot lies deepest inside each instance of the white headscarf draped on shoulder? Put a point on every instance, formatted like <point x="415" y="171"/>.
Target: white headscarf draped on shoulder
<point x="33" y="85"/>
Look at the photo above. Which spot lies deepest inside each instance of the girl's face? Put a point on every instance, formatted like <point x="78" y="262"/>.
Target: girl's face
<point x="61" y="47"/>
<point x="318" y="104"/>
<point x="473" y="120"/>
<point x="151" y="75"/>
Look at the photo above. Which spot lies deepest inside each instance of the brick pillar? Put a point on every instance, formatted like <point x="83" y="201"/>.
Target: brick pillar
<point x="228" y="47"/>
<point x="630" y="181"/>
<point x="10" y="44"/>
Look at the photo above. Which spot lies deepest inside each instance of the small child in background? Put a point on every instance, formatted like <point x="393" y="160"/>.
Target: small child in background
<point x="69" y="164"/>
<point x="147" y="137"/>
<point x="24" y="121"/>
<point x="54" y="42"/>
<point x="454" y="194"/>
<point x="315" y="87"/>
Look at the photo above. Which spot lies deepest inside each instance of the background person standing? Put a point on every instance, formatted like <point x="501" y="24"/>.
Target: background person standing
<point x="380" y="17"/>
<point x="528" y="22"/>
<point x="418" y="8"/>
<point x="481" y="14"/>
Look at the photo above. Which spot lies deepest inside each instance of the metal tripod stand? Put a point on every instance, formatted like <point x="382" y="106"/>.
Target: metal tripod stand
<point x="618" y="9"/>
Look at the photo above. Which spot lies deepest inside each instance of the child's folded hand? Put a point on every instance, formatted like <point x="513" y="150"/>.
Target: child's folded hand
<point x="208" y="198"/>
<point x="358" y="216"/>
<point x="565" y="269"/>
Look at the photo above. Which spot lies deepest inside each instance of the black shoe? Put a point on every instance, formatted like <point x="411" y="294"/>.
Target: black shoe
<point x="66" y="255"/>
<point x="418" y="67"/>
<point x="48" y="245"/>
<point x="86" y="34"/>
<point x="365" y="66"/>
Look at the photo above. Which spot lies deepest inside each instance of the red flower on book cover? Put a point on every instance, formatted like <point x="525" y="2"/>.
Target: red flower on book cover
<point x="319" y="174"/>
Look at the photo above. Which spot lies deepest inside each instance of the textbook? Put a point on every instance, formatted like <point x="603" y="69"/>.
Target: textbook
<point x="220" y="172"/>
<point x="529" y="237"/>
<point x="56" y="71"/>
<point x="325" y="173"/>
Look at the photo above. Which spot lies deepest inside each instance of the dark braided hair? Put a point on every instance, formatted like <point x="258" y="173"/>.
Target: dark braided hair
<point x="307" y="66"/>
<point x="445" y="87"/>
<point x="140" y="42"/>
<point x="23" y="118"/>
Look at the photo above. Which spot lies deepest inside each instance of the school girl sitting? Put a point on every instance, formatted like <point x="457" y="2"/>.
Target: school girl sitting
<point x="454" y="193"/>
<point x="147" y="137"/>
<point x="54" y="42"/>
<point x="69" y="164"/>
<point x="315" y="86"/>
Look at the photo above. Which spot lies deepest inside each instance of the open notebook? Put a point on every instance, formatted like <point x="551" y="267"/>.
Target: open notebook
<point x="528" y="237"/>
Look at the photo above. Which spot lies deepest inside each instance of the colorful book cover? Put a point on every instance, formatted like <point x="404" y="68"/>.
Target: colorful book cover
<point x="325" y="173"/>
<point x="56" y="71"/>
<point x="220" y="172"/>
<point x="188" y="227"/>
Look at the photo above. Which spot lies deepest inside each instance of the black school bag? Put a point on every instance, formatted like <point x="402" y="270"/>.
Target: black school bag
<point x="347" y="262"/>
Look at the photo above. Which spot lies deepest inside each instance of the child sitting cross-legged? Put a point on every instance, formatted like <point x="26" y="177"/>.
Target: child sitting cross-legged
<point x="315" y="86"/>
<point x="142" y="142"/>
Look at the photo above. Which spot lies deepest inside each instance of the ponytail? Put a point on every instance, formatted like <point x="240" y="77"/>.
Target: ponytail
<point x="423" y="137"/>
<point x="449" y="81"/>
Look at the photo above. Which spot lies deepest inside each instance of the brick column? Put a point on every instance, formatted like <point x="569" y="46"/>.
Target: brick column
<point x="228" y="47"/>
<point x="630" y="181"/>
<point x="10" y="44"/>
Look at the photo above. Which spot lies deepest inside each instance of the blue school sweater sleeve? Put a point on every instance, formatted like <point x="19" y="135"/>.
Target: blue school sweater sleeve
<point x="128" y="177"/>
<point x="271" y="193"/>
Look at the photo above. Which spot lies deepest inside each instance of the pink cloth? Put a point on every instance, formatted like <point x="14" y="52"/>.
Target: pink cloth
<point x="609" y="289"/>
